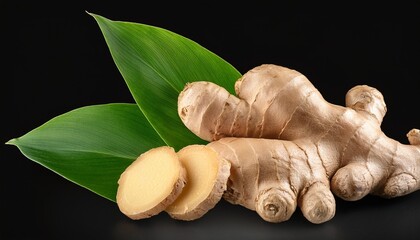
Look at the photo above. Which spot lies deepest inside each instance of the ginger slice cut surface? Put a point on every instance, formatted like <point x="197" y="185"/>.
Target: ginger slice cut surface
<point x="207" y="176"/>
<point x="151" y="183"/>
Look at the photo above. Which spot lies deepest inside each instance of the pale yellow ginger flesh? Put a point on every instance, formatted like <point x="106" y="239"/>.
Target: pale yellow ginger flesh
<point x="151" y="183"/>
<point x="207" y="175"/>
<point x="288" y="146"/>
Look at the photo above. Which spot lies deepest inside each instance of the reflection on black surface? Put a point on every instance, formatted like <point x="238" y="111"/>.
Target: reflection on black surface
<point x="353" y="220"/>
<point x="225" y="221"/>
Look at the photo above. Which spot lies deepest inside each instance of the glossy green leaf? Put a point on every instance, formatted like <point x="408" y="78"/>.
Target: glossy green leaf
<point x="156" y="64"/>
<point x="91" y="146"/>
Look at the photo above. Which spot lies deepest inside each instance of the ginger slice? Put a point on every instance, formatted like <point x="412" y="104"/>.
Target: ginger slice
<point x="151" y="183"/>
<point x="207" y="175"/>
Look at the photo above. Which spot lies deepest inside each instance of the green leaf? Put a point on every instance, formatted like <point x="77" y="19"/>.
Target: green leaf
<point x="156" y="64"/>
<point x="91" y="146"/>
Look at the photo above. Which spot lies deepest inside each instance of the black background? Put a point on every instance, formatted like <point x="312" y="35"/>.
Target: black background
<point x="54" y="59"/>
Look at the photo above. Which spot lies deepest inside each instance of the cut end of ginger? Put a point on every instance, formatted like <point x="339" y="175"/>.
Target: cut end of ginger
<point x="207" y="175"/>
<point x="151" y="183"/>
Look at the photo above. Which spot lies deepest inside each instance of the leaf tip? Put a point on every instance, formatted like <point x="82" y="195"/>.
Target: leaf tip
<point x="91" y="14"/>
<point x="96" y="16"/>
<point x="11" y="142"/>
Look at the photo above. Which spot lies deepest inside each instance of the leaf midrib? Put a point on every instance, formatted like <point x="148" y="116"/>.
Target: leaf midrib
<point x="61" y="150"/>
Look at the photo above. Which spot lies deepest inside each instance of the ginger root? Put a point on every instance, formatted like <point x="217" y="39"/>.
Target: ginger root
<point x="288" y="146"/>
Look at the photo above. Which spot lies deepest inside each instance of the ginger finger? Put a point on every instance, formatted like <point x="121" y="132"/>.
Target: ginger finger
<point x="267" y="97"/>
<point x="275" y="204"/>
<point x="318" y="203"/>
<point x="352" y="182"/>
<point x="368" y="99"/>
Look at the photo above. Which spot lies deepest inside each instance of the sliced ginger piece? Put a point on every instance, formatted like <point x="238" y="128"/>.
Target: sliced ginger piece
<point x="151" y="183"/>
<point x="207" y="175"/>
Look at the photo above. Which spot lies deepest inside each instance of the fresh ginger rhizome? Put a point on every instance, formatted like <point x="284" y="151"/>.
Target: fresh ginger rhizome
<point x="287" y="147"/>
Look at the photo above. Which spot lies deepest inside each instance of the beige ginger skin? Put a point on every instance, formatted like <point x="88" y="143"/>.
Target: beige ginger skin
<point x="288" y="146"/>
